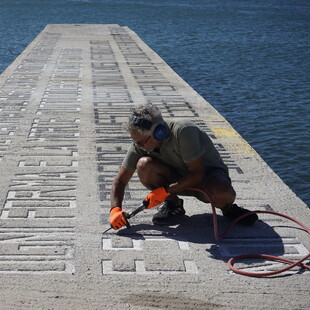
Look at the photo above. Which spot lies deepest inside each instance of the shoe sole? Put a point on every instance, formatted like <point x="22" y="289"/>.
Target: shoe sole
<point x="248" y="224"/>
<point x="171" y="222"/>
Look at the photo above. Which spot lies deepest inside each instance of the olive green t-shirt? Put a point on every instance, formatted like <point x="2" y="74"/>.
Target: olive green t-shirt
<point x="185" y="143"/>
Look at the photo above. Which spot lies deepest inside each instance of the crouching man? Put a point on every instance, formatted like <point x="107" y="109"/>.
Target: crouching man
<point x="171" y="156"/>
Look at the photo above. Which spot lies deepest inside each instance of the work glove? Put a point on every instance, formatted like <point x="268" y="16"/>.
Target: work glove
<point x="118" y="218"/>
<point x="155" y="197"/>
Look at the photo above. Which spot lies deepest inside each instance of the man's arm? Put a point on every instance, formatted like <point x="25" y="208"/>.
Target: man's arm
<point x="195" y="175"/>
<point x="118" y="186"/>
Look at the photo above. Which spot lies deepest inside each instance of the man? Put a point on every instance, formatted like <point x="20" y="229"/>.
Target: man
<point x="171" y="158"/>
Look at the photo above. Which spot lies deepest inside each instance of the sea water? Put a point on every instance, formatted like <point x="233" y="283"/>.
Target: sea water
<point x="248" y="58"/>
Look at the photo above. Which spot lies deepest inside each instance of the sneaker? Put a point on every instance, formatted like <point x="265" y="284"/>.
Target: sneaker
<point x="235" y="211"/>
<point x="168" y="213"/>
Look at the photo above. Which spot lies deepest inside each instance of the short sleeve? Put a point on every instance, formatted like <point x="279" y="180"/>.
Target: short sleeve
<point x="191" y="143"/>
<point x="131" y="158"/>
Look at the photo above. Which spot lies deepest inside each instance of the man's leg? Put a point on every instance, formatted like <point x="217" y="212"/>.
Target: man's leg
<point x="218" y="187"/>
<point x="153" y="174"/>
<point x="223" y="195"/>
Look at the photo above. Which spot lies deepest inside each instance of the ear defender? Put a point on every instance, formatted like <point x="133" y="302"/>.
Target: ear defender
<point x="159" y="132"/>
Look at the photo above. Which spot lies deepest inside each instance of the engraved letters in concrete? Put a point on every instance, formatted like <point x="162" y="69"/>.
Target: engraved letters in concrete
<point x="37" y="219"/>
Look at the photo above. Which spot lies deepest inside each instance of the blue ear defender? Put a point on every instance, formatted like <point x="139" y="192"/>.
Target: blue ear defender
<point x="160" y="132"/>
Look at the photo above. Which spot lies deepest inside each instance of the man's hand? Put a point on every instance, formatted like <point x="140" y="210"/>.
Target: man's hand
<point x="155" y="198"/>
<point x="117" y="218"/>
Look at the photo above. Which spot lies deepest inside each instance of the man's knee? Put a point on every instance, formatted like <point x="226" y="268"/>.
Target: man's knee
<point x="144" y="164"/>
<point x="153" y="173"/>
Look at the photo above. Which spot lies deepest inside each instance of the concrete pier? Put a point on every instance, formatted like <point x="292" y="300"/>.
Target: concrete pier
<point x="62" y="104"/>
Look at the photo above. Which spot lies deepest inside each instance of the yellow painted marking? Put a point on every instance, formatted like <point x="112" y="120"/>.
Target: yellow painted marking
<point x="236" y="144"/>
<point x="222" y="132"/>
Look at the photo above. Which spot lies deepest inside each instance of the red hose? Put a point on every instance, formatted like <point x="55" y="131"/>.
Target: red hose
<point x="291" y="263"/>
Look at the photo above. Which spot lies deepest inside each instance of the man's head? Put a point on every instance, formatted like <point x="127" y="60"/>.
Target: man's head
<point x="146" y="124"/>
<point x="143" y="117"/>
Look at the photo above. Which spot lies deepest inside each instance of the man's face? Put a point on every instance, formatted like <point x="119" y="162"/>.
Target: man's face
<point x="147" y="143"/>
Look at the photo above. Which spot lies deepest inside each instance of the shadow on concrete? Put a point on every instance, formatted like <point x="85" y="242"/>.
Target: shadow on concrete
<point x="260" y="238"/>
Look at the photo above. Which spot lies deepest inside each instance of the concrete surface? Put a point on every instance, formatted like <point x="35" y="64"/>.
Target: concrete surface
<point x="62" y="104"/>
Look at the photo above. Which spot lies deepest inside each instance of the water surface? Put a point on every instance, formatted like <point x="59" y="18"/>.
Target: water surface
<point x="248" y="58"/>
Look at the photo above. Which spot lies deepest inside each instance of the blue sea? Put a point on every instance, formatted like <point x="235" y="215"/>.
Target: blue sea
<point x="248" y="58"/>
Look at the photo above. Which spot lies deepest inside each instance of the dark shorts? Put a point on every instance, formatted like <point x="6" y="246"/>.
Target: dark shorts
<point x="211" y="174"/>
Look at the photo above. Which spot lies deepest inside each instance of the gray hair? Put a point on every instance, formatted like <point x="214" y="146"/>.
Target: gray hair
<point x="148" y="112"/>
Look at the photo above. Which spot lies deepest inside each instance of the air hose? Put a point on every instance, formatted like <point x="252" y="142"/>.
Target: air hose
<point x="232" y="260"/>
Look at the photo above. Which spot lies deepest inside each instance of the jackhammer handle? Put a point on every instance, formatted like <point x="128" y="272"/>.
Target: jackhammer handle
<point x="134" y="212"/>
